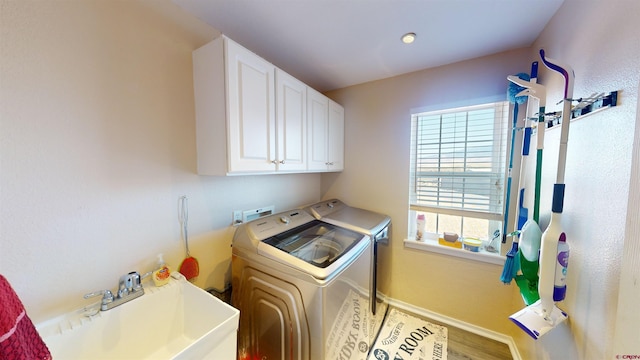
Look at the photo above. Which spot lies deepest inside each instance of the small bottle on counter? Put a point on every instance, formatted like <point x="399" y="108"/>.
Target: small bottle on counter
<point x="162" y="274"/>
<point x="420" y="227"/>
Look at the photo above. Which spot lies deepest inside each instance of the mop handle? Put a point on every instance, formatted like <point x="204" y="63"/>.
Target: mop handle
<point x="507" y="203"/>
<point x="542" y="97"/>
<point x="567" y="72"/>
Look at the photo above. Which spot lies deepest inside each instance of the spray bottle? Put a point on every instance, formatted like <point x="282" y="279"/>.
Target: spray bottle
<point x="560" y="283"/>
<point x="549" y="251"/>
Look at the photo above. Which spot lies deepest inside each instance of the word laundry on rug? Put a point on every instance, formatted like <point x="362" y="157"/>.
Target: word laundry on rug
<point x="405" y="337"/>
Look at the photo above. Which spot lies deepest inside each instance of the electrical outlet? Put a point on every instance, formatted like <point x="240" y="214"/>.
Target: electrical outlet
<point x="237" y="218"/>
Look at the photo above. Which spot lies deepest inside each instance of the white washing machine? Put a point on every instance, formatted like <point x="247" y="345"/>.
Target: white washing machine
<point x="302" y="287"/>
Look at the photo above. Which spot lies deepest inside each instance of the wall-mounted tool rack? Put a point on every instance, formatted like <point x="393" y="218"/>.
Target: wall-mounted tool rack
<point x="585" y="106"/>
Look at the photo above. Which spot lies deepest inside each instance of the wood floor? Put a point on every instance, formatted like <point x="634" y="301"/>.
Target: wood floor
<point x="464" y="345"/>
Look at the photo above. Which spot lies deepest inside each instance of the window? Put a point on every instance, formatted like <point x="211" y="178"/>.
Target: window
<point x="457" y="174"/>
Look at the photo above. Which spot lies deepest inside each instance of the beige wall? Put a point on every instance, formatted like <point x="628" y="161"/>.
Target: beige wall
<point x="626" y="336"/>
<point x="376" y="177"/>
<point x="98" y="143"/>
<point x="600" y="42"/>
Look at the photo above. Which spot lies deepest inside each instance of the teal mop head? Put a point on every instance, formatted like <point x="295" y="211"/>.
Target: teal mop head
<point x="515" y="89"/>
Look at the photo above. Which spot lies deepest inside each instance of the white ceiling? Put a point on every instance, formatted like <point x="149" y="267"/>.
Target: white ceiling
<point x="331" y="44"/>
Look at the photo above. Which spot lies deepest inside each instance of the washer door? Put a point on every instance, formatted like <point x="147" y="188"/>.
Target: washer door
<point x="317" y="248"/>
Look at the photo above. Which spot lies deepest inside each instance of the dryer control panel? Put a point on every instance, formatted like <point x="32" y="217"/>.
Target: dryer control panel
<point x="325" y="208"/>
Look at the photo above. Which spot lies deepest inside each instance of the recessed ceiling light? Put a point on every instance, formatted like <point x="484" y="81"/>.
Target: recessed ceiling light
<point x="408" y="38"/>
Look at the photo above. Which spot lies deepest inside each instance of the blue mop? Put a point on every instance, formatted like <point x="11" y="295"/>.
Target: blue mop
<point x="511" y="263"/>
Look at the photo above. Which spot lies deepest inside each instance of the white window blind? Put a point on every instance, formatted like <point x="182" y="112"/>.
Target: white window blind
<point x="458" y="161"/>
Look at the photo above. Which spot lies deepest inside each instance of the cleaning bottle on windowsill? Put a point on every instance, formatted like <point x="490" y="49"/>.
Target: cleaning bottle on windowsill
<point x="162" y="274"/>
<point x="420" y="227"/>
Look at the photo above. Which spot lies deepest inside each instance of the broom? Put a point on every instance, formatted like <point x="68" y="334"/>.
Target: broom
<point x="512" y="95"/>
<point x="512" y="262"/>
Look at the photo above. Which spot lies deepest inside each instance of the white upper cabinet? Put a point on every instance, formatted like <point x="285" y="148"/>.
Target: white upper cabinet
<point x="252" y="118"/>
<point x="326" y="133"/>
<point x="336" y="136"/>
<point x="318" y="120"/>
<point x="250" y="111"/>
<point x="235" y="109"/>
<point x="291" y="113"/>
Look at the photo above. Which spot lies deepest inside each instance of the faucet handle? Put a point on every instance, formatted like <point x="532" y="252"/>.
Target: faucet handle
<point x="129" y="283"/>
<point x="107" y="297"/>
<point x="136" y="281"/>
<point x="107" y="294"/>
<point x="144" y="276"/>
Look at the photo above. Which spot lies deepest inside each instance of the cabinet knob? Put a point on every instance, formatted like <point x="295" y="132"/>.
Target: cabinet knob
<point x="282" y="162"/>
<point x="274" y="161"/>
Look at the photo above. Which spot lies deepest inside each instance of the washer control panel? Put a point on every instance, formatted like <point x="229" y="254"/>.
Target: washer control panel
<point x="269" y="226"/>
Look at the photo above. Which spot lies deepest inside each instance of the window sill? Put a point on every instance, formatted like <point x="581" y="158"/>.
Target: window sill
<point x="433" y="246"/>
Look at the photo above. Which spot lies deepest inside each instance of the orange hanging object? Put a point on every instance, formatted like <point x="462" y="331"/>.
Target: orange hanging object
<point x="189" y="267"/>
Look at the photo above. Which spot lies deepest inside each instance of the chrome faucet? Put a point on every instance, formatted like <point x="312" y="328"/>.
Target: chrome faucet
<point x="129" y="288"/>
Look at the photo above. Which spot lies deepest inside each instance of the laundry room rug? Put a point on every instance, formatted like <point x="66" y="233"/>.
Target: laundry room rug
<point x="406" y="337"/>
<point x="354" y="328"/>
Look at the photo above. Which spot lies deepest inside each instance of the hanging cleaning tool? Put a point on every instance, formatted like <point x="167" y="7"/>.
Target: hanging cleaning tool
<point x="512" y="261"/>
<point x="524" y="213"/>
<point x="513" y="94"/>
<point x="542" y="316"/>
<point x="555" y="233"/>
<point x="541" y="95"/>
<point x="530" y="235"/>
<point x="533" y="90"/>
<point x="511" y="265"/>
<point x="189" y="267"/>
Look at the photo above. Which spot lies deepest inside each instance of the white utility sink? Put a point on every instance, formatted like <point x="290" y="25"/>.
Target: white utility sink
<point x="174" y="321"/>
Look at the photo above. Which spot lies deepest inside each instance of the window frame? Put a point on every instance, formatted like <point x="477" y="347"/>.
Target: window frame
<point x="498" y="171"/>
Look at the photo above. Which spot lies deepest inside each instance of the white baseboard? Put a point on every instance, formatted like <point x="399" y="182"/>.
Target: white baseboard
<point x="490" y="334"/>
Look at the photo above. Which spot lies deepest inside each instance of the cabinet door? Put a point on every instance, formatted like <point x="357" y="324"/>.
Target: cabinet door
<point x="251" y="111"/>
<point x="336" y="137"/>
<point x="291" y="112"/>
<point x="318" y="122"/>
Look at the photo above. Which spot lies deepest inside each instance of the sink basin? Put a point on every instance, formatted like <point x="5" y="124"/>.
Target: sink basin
<point x="174" y="321"/>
